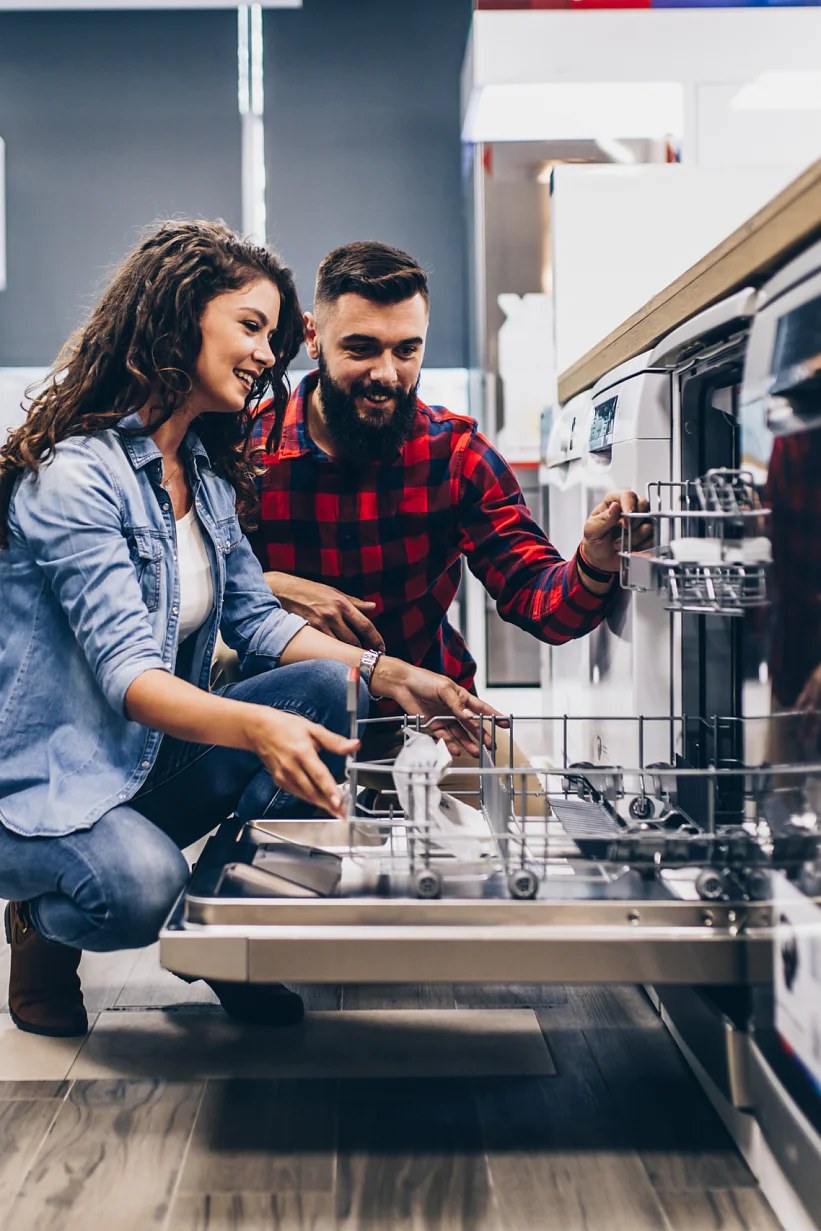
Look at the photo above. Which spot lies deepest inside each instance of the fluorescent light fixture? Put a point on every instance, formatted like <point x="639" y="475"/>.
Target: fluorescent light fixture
<point x="797" y="90"/>
<point x="573" y="111"/>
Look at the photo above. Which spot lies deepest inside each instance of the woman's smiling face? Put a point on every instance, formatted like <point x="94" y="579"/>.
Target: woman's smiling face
<point x="238" y="329"/>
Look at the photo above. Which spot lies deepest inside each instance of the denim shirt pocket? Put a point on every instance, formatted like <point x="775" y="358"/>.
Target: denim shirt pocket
<point x="146" y="551"/>
<point x="228" y="534"/>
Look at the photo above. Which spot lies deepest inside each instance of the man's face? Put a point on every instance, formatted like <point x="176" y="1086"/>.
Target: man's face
<point x="370" y="356"/>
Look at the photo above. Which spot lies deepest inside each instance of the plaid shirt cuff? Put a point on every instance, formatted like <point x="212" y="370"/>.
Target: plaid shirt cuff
<point x="595" y="574"/>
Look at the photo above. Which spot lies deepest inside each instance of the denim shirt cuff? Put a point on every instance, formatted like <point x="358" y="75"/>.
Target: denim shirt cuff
<point x="273" y="635"/>
<point x="121" y="679"/>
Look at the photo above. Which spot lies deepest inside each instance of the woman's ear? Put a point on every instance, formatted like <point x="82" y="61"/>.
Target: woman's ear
<point x="311" y="336"/>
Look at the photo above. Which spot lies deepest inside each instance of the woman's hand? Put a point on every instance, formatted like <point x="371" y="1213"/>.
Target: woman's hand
<point x="454" y="710"/>
<point x="288" y="747"/>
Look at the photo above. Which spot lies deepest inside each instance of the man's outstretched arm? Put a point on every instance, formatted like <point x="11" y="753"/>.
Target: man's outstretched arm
<point x="534" y="587"/>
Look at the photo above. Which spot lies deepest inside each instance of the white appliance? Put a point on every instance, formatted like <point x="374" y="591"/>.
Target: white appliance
<point x="622" y="668"/>
<point x="564" y="668"/>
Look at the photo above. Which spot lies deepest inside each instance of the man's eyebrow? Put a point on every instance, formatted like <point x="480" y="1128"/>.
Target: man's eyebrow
<point x="357" y="339"/>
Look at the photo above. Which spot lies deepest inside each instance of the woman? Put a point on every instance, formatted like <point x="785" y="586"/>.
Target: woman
<point x="121" y="557"/>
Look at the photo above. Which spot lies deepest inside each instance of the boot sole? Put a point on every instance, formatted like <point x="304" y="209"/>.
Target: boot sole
<point x="28" y="1028"/>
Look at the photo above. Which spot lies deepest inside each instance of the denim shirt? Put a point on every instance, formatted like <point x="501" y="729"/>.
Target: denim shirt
<point x="89" y="599"/>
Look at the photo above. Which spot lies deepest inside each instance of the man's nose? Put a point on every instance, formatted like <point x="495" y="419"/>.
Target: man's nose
<point x="383" y="370"/>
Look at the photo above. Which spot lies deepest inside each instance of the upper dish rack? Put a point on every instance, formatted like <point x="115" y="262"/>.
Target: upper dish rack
<point x="710" y="552"/>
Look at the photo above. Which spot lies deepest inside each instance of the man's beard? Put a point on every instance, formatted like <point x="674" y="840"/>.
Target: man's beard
<point x="361" y="440"/>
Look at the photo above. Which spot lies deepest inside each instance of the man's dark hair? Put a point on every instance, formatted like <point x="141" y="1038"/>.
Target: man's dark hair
<point x="370" y="269"/>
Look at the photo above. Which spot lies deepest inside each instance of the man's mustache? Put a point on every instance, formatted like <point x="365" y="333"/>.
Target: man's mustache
<point x="359" y="389"/>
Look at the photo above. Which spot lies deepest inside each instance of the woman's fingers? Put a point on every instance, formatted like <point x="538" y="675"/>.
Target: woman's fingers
<point x="331" y="742"/>
<point x="312" y="781"/>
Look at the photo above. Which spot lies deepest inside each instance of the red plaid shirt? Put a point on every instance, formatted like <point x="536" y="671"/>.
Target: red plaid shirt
<point x="395" y="533"/>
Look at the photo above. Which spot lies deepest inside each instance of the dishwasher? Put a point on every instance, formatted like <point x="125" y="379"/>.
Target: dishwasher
<point x="640" y="841"/>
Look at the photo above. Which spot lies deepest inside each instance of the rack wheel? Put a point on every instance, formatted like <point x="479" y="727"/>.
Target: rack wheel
<point x="641" y="808"/>
<point x="710" y="885"/>
<point x="758" y="884"/>
<point x="428" y="883"/>
<point x="523" y="884"/>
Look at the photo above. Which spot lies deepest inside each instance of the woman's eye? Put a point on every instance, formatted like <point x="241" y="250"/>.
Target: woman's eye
<point x="253" y="326"/>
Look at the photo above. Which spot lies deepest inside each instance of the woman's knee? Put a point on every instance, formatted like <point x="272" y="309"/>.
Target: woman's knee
<point x="135" y="885"/>
<point x="323" y="684"/>
<point x="144" y="902"/>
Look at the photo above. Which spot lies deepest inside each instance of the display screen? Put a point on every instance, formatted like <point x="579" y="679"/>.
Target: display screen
<point x="601" y="426"/>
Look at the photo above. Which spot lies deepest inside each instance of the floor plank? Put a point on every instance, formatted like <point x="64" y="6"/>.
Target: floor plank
<point x="115" y="1147"/>
<point x="729" y="1209"/>
<point x="410" y="1156"/>
<point x="149" y="985"/>
<point x="33" y="1090"/>
<point x="509" y="996"/>
<point x="359" y="996"/>
<point x="367" y="1043"/>
<point x="263" y="1137"/>
<point x="555" y="1151"/>
<point x="253" y="1212"/>
<point x="319" y="996"/>
<point x="665" y="1114"/>
<point x="23" y="1126"/>
<point x="604" y="1007"/>
<point x="104" y="976"/>
<point x="31" y="1057"/>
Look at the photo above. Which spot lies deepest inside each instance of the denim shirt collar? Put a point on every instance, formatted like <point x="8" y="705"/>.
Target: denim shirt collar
<point x="141" y="449"/>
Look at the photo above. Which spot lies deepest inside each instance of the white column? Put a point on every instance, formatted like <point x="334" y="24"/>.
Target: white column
<point x="251" y="100"/>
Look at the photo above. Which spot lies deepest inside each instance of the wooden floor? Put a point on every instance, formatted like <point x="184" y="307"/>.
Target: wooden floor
<point x="578" y="1115"/>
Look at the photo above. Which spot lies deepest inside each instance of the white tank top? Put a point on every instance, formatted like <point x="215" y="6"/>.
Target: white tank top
<point x="196" y="582"/>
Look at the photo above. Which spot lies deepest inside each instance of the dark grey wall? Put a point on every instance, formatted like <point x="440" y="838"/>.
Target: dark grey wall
<point x="114" y="119"/>
<point x="111" y="120"/>
<point x="362" y="131"/>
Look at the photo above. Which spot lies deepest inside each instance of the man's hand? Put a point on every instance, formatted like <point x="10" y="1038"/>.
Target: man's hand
<point x="450" y="710"/>
<point x="328" y="610"/>
<point x="603" y="530"/>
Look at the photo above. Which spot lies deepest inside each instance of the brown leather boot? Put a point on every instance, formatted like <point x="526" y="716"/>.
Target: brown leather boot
<point x="44" y="987"/>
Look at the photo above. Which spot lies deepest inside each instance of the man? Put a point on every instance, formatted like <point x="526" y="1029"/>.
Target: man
<point x="370" y="498"/>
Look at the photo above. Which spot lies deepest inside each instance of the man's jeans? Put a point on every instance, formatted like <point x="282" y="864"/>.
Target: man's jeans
<point x="112" y="886"/>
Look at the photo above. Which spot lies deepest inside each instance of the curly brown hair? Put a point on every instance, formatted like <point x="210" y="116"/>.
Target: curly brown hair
<point x="145" y="334"/>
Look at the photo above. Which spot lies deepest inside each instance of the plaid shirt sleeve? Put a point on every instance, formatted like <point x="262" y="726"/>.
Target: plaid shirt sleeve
<point x="513" y="557"/>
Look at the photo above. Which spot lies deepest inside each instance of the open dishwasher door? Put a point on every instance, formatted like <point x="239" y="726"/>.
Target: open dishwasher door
<point x="528" y="873"/>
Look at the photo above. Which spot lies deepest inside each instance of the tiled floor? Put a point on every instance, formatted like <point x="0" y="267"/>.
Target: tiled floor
<point x="552" y="1108"/>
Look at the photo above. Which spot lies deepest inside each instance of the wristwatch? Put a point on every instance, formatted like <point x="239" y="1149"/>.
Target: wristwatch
<point x="367" y="666"/>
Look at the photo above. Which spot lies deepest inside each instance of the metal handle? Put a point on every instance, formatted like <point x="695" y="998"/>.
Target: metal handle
<point x="353" y="701"/>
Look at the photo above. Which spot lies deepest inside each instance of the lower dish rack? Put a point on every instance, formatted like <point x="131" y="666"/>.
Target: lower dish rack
<point x="567" y="872"/>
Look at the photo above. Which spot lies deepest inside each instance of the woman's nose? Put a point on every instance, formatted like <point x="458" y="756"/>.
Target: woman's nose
<point x="264" y="353"/>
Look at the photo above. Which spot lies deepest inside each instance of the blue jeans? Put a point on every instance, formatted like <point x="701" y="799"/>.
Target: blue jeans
<point x="112" y="886"/>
